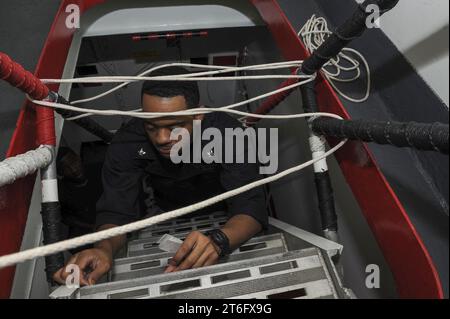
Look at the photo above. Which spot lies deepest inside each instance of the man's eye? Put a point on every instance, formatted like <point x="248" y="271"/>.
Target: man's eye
<point x="180" y="125"/>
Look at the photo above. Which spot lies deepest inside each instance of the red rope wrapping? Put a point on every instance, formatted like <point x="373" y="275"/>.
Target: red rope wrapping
<point x="45" y="126"/>
<point x="15" y="74"/>
<point x="271" y="102"/>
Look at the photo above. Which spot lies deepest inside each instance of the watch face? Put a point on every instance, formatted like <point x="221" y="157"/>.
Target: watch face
<point x="221" y="240"/>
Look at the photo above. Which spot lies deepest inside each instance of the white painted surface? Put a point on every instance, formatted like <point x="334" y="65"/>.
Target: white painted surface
<point x="29" y="279"/>
<point x="172" y="17"/>
<point x="419" y="29"/>
<point x="49" y="191"/>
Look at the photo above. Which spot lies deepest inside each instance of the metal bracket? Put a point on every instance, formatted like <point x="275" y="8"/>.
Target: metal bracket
<point x="331" y="247"/>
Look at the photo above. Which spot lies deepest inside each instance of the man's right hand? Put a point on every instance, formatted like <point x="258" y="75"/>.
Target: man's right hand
<point x="93" y="264"/>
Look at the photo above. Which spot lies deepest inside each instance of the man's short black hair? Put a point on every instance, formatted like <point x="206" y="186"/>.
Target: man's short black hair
<point x="188" y="89"/>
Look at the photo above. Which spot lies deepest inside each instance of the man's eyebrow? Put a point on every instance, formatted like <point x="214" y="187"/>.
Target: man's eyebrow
<point x="177" y="123"/>
<point x="168" y="125"/>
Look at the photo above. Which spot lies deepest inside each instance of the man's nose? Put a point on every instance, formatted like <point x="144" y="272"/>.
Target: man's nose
<point x="163" y="136"/>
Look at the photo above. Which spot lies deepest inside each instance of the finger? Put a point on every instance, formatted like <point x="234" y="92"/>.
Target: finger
<point x="100" y="269"/>
<point x="193" y="257"/>
<point x="185" y="248"/>
<point x="57" y="276"/>
<point x="204" y="257"/>
<point x="170" y="268"/>
<point x="64" y="272"/>
<point x="85" y="263"/>
<point x="69" y="270"/>
<point x="212" y="260"/>
<point x="83" y="281"/>
<point x="171" y="262"/>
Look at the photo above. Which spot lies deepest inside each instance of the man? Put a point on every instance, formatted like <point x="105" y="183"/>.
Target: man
<point x="140" y="152"/>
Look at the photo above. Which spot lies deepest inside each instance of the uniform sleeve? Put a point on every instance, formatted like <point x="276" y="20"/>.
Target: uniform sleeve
<point x="235" y="175"/>
<point x="250" y="203"/>
<point x="121" y="201"/>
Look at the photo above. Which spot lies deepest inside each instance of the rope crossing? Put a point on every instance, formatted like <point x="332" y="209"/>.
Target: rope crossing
<point x="51" y="249"/>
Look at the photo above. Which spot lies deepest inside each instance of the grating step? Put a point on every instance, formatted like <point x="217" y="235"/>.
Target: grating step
<point x="149" y="246"/>
<point x="183" y="229"/>
<point x="299" y="274"/>
<point x="185" y="222"/>
<point x="155" y="262"/>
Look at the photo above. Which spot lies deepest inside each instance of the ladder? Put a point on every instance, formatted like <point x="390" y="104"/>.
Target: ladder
<point x="279" y="264"/>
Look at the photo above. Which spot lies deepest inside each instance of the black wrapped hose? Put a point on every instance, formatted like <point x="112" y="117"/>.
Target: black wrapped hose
<point x="352" y="29"/>
<point x="421" y="136"/>
<point x="51" y="228"/>
<point x="322" y="178"/>
<point x="85" y="122"/>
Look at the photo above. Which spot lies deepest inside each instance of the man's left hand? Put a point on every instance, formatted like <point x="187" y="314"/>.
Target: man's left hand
<point x="196" y="251"/>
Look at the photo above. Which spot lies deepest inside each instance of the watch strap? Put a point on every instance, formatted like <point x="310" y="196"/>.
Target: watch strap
<point x="221" y="240"/>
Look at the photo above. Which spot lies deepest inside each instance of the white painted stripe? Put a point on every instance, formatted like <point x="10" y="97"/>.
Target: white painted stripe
<point x="320" y="166"/>
<point x="50" y="191"/>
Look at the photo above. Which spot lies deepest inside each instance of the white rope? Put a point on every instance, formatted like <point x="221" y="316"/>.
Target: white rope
<point x="129" y="79"/>
<point x="186" y="77"/>
<point x="23" y="165"/>
<point x="314" y="33"/>
<point x="13" y="259"/>
<point x="195" y="111"/>
<point x="16" y="258"/>
<point x="172" y="65"/>
<point x="199" y="76"/>
<point x="147" y="115"/>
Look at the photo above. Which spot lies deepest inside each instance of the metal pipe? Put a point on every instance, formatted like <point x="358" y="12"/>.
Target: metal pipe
<point x="51" y="216"/>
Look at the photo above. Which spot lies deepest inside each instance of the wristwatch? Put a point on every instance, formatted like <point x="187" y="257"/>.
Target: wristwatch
<point x="221" y="240"/>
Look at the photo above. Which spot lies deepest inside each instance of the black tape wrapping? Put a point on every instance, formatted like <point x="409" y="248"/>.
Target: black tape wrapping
<point x="85" y="122"/>
<point x="322" y="179"/>
<point x="309" y="97"/>
<point x="421" y="136"/>
<point x="326" y="201"/>
<point x="51" y="228"/>
<point x="385" y="5"/>
<point x="352" y="29"/>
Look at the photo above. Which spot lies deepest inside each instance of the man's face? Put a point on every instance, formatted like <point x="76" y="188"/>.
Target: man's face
<point x="158" y="130"/>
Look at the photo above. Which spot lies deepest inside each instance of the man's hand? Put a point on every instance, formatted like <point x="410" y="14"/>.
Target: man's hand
<point x="93" y="264"/>
<point x="196" y="251"/>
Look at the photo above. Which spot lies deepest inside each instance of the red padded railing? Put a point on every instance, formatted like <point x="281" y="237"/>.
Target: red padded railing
<point x="13" y="73"/>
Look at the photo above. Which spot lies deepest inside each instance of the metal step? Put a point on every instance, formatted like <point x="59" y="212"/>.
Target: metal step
<point x="301" y="274"/>
<point x="155" y="261"/>
<point x="183" y="230"/>
<point x="174" y="224"/>
<point x="261" y="268"/>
